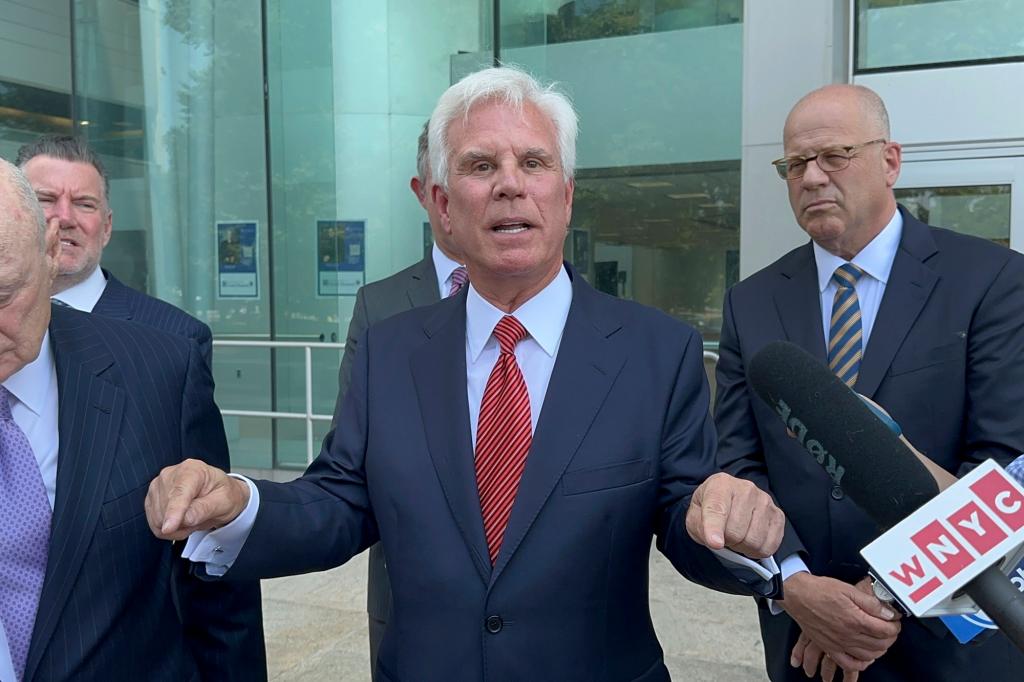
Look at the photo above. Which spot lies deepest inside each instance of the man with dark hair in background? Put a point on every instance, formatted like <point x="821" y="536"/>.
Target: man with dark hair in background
<point x="72" y="185"/>
<point x="927" y="323"/>
<point x="438" y="275"/>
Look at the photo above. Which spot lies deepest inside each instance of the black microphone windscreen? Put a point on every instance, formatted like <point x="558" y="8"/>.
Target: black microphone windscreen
<point x="834" y="425"/>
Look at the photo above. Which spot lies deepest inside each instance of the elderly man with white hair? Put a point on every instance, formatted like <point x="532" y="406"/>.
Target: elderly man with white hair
<point x="515" y="447"/>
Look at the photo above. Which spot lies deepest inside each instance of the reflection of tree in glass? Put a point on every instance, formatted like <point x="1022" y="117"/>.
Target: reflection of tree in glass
<point x="979" y="210"/>
<point x="589" y="19"/>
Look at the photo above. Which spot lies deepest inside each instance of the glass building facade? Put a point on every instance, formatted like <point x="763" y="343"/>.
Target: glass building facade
<point x="259" y="152"/>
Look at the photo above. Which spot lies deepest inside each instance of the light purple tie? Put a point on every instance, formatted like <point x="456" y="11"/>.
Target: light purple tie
<point x="459" y="279"/>
<point x="24" y="535"/>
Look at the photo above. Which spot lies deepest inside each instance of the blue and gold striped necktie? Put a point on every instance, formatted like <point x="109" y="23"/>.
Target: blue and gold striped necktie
<point x="845" y="345"/>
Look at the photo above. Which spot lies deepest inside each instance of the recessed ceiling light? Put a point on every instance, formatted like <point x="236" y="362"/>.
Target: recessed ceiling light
<point x="688" y="195"/>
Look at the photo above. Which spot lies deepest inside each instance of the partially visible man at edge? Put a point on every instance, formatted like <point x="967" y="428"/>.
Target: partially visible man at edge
<point x="72" y="187"/>
<point x="90" y="409"/>
<point x="514" y="447"/>
<point x="924" y="321"/>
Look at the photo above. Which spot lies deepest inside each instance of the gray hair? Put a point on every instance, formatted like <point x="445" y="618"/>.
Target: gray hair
<point x="25" y="198"/>
<point x="423" y="154"/>
<point x="511" y="86"/>
<point x="65" y="148"/>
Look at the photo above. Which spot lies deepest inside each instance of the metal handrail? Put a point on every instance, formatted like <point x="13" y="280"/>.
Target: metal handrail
<point x="309" y="416"/>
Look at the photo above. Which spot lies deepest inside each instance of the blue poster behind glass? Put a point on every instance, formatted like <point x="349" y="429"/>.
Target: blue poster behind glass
<point x="237" y="259"/>
<point x="340" y="257"/>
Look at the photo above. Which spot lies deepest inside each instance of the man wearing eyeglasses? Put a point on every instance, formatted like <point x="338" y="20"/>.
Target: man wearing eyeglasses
<point x="927" y="323"/>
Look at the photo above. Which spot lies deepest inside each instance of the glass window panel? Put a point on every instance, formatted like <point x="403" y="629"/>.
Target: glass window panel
<point x="547" y="22"/>
<point x="978" y="210"/>
<point x="656" y="209"/>
<point x="904" y="33"/>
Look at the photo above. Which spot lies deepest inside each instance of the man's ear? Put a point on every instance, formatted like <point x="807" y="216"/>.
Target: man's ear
<point x="440" y="199"/>
<point x="893" y="159"/>
<point x="108" y="228"/>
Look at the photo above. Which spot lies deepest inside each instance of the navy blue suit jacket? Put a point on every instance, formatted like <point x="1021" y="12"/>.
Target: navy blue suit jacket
<point x="132" y="400"/>
<point x="623" y="440"/>
<point x="124" y="303"/>
<point x="945" y="358"/>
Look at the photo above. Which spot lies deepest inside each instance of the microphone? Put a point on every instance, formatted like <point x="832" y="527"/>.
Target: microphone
<point x="857" y="450"/>
<point x="860" y="453"/>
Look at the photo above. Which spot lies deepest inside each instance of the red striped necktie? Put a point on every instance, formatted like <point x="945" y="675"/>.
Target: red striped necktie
<point x="503" y="436"/>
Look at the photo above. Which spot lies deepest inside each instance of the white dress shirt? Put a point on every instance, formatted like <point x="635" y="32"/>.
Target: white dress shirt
<point x="34" y="410"/>
<point x="544" y="317"/>
<point x="444" y="267"/>
<point x="84" y="295"/>
<point x="875" y="260"/>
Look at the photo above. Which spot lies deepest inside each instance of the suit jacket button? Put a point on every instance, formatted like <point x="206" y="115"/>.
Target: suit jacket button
<point x="837" y="493"/>
<point x="493" y="624"/>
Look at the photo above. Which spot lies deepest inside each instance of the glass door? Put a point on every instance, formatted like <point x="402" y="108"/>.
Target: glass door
<point x="977" y="196"/>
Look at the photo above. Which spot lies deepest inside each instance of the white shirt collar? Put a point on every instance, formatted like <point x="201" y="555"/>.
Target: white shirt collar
<point x="543" y="316"/>
<point x="30" y="383"/>
<point x="874" y="259"/>
<point x="84" y="295"/>
<point x="444" y="266"/>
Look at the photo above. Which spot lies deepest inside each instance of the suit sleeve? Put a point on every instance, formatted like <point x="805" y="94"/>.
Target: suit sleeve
<point x="201" y="334"/>
<point x="223" y="621"/>
<point x="995" y="372"/>
<point x="322" y="519"/>
<point x="687" y="459"/>
<point x="356" y="326"/>
<point x="740" y="449"/>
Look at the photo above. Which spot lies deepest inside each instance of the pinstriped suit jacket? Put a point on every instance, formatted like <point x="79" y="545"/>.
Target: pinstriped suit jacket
<point x="124" y="303"/>
<point x="132" y="400"/>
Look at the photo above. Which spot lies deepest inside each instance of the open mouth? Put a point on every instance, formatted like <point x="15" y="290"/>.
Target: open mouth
<point x="513" y="226"/>
<point x="68" y="242"/>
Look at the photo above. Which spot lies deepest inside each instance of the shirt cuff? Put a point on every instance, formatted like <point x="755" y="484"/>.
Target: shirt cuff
<point x="765" y="569"/>
<point x="789" y="566"/>
<point x="760" y="575"/>
<point x="219" y="548"/>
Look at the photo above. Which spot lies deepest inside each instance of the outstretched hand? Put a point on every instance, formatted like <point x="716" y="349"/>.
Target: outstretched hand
<point x="193" y="496"/>
<point x="730" y="512"/>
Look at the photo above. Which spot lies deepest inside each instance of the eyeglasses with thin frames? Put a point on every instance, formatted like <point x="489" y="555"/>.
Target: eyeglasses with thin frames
<point x="829" y="160"/>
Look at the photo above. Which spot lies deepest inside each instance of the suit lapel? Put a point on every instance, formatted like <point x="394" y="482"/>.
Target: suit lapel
<point x="798" y="302"/>
<point x="422" y="287"/>
<point x="114" y="300"/>
<point x="90" y="409"/>
<point x="439" y="374"/>
<point x="909" y="286"/>
<point x="584" y="371"/>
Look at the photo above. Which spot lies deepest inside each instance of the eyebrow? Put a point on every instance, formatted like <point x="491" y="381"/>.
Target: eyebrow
<point x="539" y="152"/>
<point x="474" y="155"/>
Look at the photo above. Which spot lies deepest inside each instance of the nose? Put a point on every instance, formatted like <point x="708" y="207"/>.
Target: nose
<point x="509" y="182"/>
<point x="62" y="209"/>
<point x="813" y="175"/>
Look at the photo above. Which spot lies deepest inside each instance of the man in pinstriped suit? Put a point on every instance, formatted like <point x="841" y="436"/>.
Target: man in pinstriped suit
<point x="92" y="409"/>
<point x="420" y="284"/>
